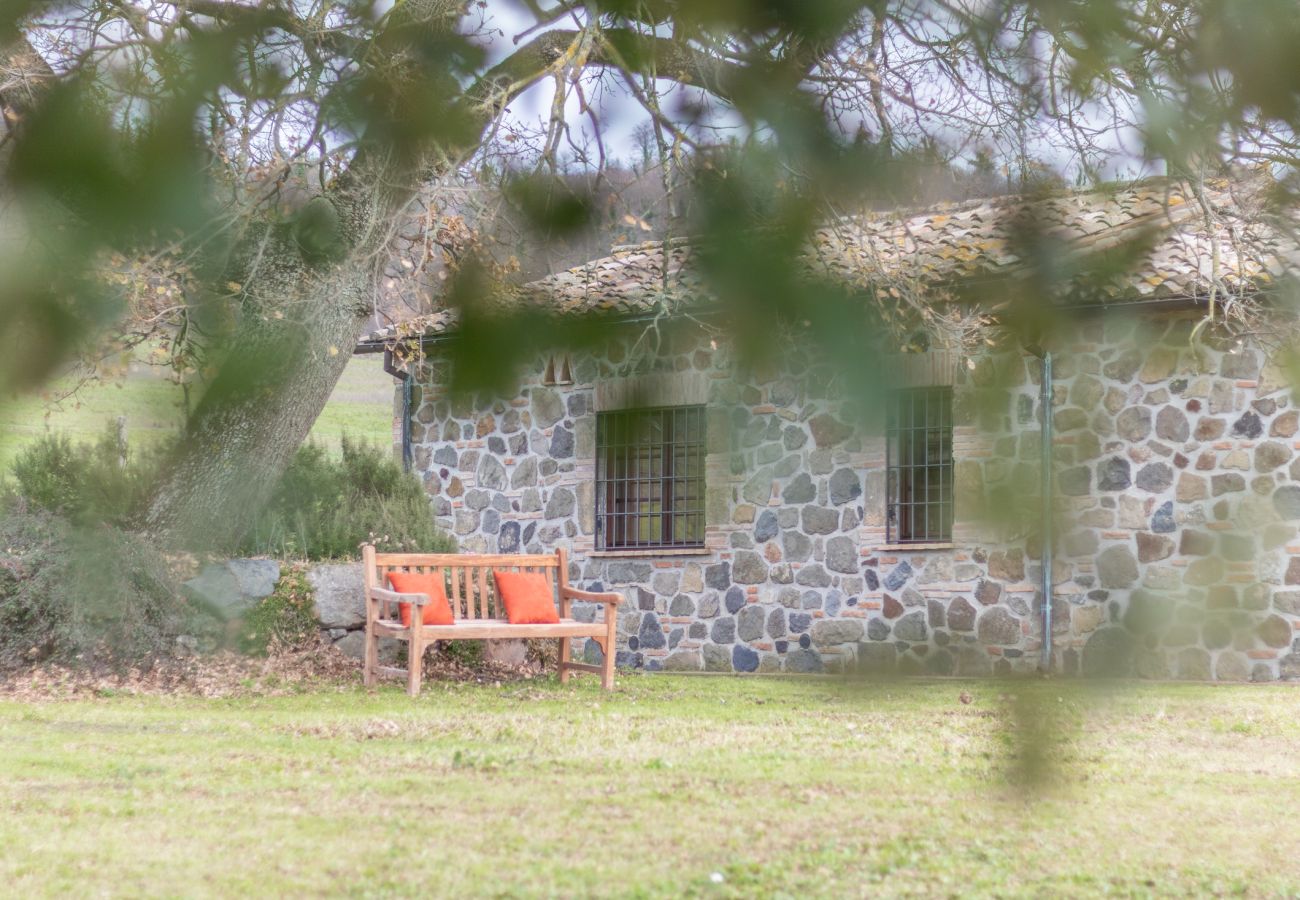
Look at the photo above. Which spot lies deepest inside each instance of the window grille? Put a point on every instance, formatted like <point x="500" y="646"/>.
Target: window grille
<point x="918" y="459"/>
<point x="650" y="478"/>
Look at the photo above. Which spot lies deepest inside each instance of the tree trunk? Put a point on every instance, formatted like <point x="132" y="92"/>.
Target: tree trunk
<point x="274" y="382"/>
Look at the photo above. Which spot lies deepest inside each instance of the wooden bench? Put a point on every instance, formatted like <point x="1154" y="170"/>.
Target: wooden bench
<point x="478" y="614"/>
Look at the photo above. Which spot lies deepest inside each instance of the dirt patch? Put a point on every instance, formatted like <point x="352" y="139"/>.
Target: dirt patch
<point x="229" y="674"/>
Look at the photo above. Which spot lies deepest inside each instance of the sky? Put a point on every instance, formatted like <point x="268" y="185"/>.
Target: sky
<point x="619" y="114"/>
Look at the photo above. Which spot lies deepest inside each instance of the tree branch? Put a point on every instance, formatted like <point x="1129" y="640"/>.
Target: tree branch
<point x="664" y="57"/>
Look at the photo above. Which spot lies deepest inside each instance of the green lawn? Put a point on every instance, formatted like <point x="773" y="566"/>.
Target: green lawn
<point x="669" y="786"/>
<point x="360" y="407"/>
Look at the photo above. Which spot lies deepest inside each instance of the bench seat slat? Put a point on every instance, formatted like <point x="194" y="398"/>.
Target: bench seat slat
<point x="488" y="629"/>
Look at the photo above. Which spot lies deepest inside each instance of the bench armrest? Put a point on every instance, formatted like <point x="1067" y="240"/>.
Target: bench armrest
<point x="395" y="597"/>
<point x="609" y="598"/>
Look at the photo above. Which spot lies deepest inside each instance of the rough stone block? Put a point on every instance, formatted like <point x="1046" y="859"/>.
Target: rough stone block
<point x="912" y="627"/>
<point x="338" y="590"/>
<point x="217" y="589"/>
<point x="1171" y="424"/>
<point x="683" y="661"/>
<point x="1134" y="424"/>
<point x="750" y="621"/>
<point x="829" y="632"/>
<point x="1116" y="567"/>
<point x="996" y="626"/>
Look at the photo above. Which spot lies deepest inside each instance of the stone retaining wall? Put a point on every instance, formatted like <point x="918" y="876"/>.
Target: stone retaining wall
<point x="231" y="588"/>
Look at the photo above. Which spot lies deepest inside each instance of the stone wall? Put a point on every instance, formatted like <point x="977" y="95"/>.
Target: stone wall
<point x="229" y="589"/>
<point x="1177" y="503"/>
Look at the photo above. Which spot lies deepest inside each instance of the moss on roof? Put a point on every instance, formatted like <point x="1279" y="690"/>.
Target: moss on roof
<point x="1217" y="236"/>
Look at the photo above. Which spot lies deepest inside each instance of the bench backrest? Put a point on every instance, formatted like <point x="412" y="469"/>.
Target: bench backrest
<point x="471" y="589"/>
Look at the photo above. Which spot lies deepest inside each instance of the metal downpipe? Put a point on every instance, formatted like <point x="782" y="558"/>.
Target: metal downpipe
<point x="406" y="424"/>
<point x="400" y="373"/>
<point x="1045" y="386"/>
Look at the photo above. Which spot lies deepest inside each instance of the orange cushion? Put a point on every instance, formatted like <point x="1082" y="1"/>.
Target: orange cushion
<point x="437" y="611"/>
<point x="527" y="597"/>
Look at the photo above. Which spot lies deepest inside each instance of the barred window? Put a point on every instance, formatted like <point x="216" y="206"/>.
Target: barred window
<point x="650" y="478"/>
<point x="918" y="458"/>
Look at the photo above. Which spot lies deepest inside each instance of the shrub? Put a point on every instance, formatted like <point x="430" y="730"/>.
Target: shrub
<point x="84" y="482"/>
<point x="286" y="620"/>
<point x="83" y="593"/>
<point x="466" y="653"/>
<point x="323" y="508"/>
<point x="326" y="508"/>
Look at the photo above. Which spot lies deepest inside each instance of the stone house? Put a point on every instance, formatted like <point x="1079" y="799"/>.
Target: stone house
<point x="754" y="525"/>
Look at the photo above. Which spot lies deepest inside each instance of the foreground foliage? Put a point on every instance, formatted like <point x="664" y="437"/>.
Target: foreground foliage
<point x="84" y="594"/>
<point x="249" y="179"/>
<point x="669" y="786"/>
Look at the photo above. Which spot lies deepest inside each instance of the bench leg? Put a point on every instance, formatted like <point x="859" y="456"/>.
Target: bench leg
<point x="566" y="654"/>
<point x="370" y="675"/>
<point x="611" y="650"/>
<point x="414" y="663"/>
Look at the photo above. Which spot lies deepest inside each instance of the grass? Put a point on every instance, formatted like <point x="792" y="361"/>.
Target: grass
<point x="670" y="786"/>
<point x="360" y="407"/>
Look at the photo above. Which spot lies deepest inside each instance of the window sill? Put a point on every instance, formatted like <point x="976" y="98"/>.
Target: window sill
<point x="665" y="551"/>
<point x="904" y="548"/>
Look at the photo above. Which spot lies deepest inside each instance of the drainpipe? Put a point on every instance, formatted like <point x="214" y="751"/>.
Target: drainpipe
<point x="406" y="424"/>
<point x="1045" y="386"/>
<point x="403" y="376"/>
